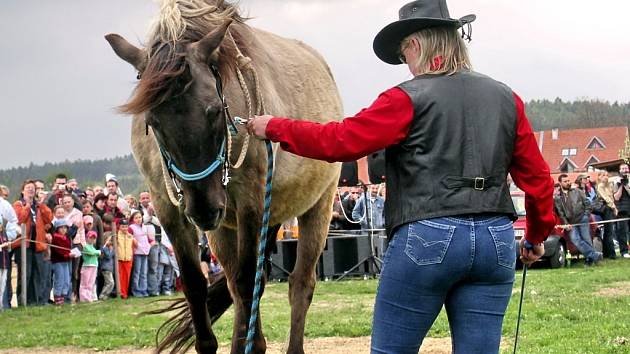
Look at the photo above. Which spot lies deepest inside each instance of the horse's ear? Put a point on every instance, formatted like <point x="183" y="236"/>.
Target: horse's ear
<point x="127" y="52"/>
<point x="206" y="48"/>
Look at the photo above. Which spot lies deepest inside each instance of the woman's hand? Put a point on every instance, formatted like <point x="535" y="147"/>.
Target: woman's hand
<point x="257" y="126"/>
<point x="529" y="256"/>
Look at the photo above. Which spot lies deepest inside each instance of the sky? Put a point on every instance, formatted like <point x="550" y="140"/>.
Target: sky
<point x="60" y="81"/>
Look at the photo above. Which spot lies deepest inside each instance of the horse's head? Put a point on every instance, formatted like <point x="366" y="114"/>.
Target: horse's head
<point x="178" y="96"/>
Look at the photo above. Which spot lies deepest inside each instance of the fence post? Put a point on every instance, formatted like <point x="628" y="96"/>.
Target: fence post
<point x="24" y="288"/>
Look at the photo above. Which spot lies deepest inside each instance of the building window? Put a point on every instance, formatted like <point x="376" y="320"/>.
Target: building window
<point x="596" y="143"/>
<point x="569" y="152"/>
<point x="592" y="160"/>
<point x="567" y="166"/>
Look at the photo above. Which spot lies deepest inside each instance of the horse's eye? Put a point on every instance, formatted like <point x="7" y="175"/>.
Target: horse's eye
<point x="212" y="111"/>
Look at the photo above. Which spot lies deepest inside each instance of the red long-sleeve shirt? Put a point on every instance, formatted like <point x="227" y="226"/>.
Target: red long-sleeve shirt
<point x="387" y="121"/>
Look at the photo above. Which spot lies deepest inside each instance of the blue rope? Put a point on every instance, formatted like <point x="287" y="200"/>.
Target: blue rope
<point x="194" y="176"/>
<point x="251" y="330"/>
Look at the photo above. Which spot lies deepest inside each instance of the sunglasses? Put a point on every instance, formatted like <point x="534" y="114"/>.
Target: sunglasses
<point x="404" y="45"/>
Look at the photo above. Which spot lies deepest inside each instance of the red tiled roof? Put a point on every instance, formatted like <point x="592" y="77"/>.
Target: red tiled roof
<point x="613" y="139"/>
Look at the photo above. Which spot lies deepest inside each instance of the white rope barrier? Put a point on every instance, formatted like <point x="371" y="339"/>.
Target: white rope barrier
<point x="593" y="223"/>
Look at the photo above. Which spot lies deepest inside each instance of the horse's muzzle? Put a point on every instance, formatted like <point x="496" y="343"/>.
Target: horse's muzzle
<point x="207" y="221"/>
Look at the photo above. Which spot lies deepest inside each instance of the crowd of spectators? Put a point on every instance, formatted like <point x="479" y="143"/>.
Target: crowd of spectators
<point x="352" y="210"/>
<point x="75" y="237"/>
<point x="583" y="202"/>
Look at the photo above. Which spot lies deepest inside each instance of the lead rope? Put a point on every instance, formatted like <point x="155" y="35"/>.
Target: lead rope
<point x="253" y="318"/>
<point x="242" y="62"/>
<point x="245" y="146"/>
<point x="262" y="245"/>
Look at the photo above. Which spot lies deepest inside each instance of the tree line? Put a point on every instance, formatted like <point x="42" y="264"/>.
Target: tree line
<point x="543" y="114"/>
<point x="86" y="172"/>
<point x="586" y="113"/>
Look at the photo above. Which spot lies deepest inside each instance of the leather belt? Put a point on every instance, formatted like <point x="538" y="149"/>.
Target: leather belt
<point x="477" y="183"/>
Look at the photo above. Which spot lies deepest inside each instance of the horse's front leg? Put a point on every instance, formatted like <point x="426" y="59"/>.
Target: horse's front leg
<point x="185" y="242"/>
<point x="241" y="278"/>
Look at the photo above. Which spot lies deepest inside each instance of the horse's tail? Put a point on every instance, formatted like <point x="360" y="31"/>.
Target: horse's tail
<point x="177" y="332"/>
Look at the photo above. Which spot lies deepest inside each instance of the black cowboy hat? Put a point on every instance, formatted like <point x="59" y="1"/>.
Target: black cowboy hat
<point x="413" y="17"/>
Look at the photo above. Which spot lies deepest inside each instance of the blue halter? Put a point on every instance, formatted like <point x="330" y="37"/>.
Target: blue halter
<point x="221" y="160"/>
<point x="191" y="177"/>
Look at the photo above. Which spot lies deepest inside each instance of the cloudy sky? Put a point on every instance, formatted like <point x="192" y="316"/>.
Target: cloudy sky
<point x="60" y="81"/>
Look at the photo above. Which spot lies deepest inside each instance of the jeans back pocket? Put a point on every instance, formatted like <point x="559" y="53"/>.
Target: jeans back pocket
<point x="503" y="237"/>
<point x="428" y="241"/>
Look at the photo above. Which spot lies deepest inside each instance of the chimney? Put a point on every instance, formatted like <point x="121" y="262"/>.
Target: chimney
<point x="554" y="134"/>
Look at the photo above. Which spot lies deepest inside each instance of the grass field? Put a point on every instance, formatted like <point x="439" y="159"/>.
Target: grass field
<point x="570" y="310"/>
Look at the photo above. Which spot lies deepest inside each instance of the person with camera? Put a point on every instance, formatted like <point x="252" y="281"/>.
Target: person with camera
<point x="60" y="188"/>
<point x="573" y="209"/>
<point x="38" y="220"/>
<point x="622" y="200"/>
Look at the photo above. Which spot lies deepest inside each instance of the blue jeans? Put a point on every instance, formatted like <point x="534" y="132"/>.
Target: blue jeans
<point x="165" y="278"/>
<point x="139" y="276"/>
<point x="581" y="238"/>
<point x="153" y="280"/>
<point x="465" y="264"/>
<point x="61" y="278"/>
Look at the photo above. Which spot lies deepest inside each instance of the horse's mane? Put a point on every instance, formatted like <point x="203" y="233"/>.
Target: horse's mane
<point x="179" y="23"/>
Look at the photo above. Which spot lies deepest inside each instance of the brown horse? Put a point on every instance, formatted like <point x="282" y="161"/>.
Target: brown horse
<point x="177" y="98"/>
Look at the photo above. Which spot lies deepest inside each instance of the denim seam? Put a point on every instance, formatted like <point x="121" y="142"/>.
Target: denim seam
<point x="472" y="247"/>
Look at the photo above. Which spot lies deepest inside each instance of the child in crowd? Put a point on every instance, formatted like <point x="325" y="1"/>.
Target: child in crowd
<point x="144" y="240"/>
<point x="89" y="268"/>
<point x="167" y="264"/>
<point x="88" y="225"/>
<point x="60" y="258"/>
<point x="107" y="269"/>
<point x="125" y="244"/>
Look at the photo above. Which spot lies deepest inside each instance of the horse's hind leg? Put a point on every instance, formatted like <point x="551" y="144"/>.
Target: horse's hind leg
<point x="313" y="230"/>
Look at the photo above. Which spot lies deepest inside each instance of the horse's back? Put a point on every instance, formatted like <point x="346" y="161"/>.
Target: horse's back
<point x="300" y="75"/>
<point x="303" y="88"/>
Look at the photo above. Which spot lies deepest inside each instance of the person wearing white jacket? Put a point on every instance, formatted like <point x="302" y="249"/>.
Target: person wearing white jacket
<point x="10" y="231"/>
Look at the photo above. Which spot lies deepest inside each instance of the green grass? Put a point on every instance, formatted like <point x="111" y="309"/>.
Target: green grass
<point x="563" y="313"/>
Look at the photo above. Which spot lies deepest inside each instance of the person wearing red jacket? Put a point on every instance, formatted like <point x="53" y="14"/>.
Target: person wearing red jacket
<point x="37" y="217"/>
<point x="60" y="258"/>
<point x="451" y="135"/>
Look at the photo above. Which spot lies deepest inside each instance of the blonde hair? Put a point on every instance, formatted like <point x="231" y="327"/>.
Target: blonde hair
<point x="444" y="42"/>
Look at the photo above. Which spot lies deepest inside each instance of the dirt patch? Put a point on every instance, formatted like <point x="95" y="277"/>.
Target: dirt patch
<point x="342" y="345"/>
<point x="617" y="290"/>
<point x="331" y="345"/>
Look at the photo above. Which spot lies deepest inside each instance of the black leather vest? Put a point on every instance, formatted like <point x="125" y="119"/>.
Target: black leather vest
<point x="456" y="156"/>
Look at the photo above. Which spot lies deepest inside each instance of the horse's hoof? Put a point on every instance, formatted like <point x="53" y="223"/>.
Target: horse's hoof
<point x="206" y="346"/>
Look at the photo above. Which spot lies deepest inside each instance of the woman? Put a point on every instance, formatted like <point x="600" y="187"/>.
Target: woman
<point x="38" y="218"/>
<point x="604" y="188"/>
<point x="74" y="217"/>
<point x="452" y="136"/>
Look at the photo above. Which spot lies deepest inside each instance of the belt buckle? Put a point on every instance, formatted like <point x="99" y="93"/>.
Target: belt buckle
<point x="480" y="183"/>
